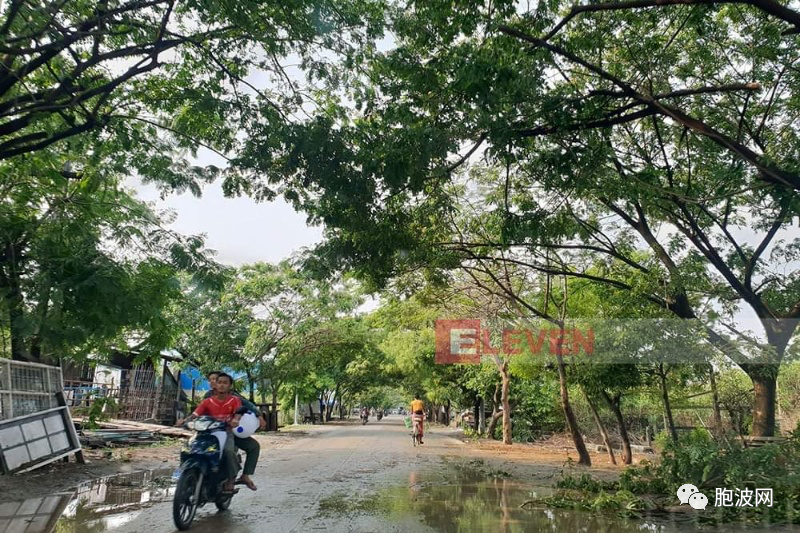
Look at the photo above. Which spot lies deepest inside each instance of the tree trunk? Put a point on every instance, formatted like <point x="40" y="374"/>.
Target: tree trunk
<point x="715" y="400"/>
<point x="600" y="427"/>
<point x="447" y="412"/>
<point x="569" y="415"/>
<point x="274" y="400"/>
<point x="263" y="391"/>
<point x="252" y="386"/>
<point x="481" y="416"/>
<point x="496" y="412"/>
<point x="342" y="407"/>
<point x="322" y="402"/>
<point x="40" y="316"/>
<point x="477" y="413"/>
<point x="765" y="376"/>
<point x="662" y="375"/>
<point x="613" y="404"/>
<point x="506" y="406"/>
<point x="329" y="405"/>
<point x="764" y="383"/>
<point x="16" y="314"/>
<point x="496" y="416"/>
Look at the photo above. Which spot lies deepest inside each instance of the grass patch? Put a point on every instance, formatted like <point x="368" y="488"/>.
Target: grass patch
<point x="341" y="502"/>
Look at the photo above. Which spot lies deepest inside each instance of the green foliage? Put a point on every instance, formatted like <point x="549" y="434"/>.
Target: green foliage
<point x="101" y="408"/>
<point x="661" y="440"/>
<point x="789" y="392"/>
<point x="158" y="81"/>
<point x="536" y="408"/>
<point x="580" y="173"/>
<point x="707" y="464"/>
<point x="287" y="332"/>
<point x="584" y="482"/>
<point x="624" y="503"/>
<point x="699" y="460"/>
<point x="688" y="460"/>
<point x="88" y="265"/>
<point x="735" y="399"/>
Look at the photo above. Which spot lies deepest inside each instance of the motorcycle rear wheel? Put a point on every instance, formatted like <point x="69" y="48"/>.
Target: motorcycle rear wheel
<point x="184" y="505"/>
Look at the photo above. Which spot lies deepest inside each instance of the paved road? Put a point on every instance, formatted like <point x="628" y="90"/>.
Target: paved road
<point x="335" y="463"/>
<point x="350" y="478"/>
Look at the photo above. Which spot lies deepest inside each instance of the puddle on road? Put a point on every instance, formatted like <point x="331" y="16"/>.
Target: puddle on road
<point x="99" y="505"/>
<point x="460" y="500"/>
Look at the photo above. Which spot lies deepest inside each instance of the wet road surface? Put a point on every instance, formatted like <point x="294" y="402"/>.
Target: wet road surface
<point x="348" y="478"/>
<point x="335" y="464"/>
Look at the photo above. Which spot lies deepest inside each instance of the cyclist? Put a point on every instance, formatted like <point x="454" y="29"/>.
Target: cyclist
<point x="418" y="414"/>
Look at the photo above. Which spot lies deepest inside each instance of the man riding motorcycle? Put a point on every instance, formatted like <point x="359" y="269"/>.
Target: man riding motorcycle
<point x="418" y="414"/>
<point x="249" y="445"/>
<point x="225" y="407"/>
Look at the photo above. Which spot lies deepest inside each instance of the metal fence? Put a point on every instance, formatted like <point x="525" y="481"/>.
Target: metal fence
<point x="27" y="388"/>
<point x="82" y="394"/>
<point x="35" y="424"/>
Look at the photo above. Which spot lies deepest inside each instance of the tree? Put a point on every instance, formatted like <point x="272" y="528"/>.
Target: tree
<point x="340" y="360"/>
<point x="127" y="67"/>
<point x="406" y="332"/>
<point x="658" y="164"/>
<point x="277" y="325"/>
<point x="84" y="266"/>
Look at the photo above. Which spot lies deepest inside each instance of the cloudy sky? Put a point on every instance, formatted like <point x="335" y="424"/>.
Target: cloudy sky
<point x="239" y="229"/>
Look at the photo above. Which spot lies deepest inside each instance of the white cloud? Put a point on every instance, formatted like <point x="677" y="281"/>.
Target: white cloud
<point x="239" y="229"/>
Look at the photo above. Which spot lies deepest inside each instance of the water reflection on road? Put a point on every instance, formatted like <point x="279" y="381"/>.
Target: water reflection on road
<point x="99" y="505"/>
<point x="464" y="501"/>
<point x="469" y="502"/>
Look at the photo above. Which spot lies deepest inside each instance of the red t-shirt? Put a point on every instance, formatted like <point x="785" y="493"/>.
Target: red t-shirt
<point x="219" y="409"/>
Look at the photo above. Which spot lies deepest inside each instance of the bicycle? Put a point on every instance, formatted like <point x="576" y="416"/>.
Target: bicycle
<point x="416" y="436"/>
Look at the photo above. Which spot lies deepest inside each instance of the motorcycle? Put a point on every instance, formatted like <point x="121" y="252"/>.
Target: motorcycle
<point x="364" y="418"/>
<point x="379" y="415"/>
<point x="201" y="473"/>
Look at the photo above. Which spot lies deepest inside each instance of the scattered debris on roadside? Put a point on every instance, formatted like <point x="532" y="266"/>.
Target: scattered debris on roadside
<point x="122" y="433"/>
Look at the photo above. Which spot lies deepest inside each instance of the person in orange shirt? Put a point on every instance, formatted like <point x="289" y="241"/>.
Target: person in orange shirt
<point x="418" y="414"/>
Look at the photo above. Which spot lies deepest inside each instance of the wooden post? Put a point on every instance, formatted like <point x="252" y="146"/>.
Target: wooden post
<point x="178" y="380"/>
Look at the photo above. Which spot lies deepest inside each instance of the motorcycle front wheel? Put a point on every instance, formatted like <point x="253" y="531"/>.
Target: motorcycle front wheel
<point x="184" y="503"/>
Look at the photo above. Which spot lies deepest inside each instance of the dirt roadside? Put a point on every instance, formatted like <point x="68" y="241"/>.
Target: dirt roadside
<point x="541" y="463"/>
<point x="102" y="462"/>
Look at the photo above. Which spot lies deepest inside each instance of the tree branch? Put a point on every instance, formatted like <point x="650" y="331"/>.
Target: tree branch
<point x="773" y="8"/>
